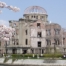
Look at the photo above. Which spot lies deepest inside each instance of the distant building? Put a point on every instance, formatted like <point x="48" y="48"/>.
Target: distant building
<point x="35" y="34"/>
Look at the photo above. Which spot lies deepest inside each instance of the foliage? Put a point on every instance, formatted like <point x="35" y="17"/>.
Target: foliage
<point x="4" y="5"/>
<point x="6" y="32"/>
<point x="25" y="56"/>
<point x="52" y="55"/>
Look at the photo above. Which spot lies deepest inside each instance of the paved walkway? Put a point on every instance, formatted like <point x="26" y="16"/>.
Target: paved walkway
<point x="33" y="62"/>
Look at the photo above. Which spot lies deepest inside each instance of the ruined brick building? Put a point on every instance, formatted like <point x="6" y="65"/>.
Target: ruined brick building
<point x="35" y="34"/>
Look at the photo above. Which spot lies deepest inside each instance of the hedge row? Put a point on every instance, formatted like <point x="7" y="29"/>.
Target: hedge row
<point x="35" y="55"/>
<point x="23" y="55"/>
<point x="52" y="55"/>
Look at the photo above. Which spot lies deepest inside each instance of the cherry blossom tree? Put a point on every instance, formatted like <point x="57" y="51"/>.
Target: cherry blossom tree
<point x="6" y="32"/>
<point x="4" y="5"/>
<point x="5" y="35"/>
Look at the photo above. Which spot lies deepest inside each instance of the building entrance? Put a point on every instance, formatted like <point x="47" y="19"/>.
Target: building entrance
<point x="24" y="51"/>
<point x="14" y="51"/>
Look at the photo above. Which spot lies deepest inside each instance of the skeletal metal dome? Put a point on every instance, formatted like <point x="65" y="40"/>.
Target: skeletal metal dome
<point x="35" y="10"/>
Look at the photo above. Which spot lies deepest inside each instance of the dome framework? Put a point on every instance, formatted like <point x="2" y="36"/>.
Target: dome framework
<point x="35" y="10"/>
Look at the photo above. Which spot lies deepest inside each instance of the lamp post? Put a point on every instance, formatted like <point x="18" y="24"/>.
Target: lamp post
<point x="54" y="48"/>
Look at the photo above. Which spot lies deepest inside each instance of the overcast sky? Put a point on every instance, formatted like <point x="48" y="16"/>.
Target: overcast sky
<point x="56" y="10"/>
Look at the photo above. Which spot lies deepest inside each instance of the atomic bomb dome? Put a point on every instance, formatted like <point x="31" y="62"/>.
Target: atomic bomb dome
<point x="34" y="34"/>
<point x="35" y="10"/>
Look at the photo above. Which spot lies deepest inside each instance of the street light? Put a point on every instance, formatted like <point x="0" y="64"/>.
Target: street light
<point x="54" y="50"/>
<point x="54" y="47"/>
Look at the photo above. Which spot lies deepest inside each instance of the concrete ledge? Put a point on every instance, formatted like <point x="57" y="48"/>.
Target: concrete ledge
<point x="33" y="64"/>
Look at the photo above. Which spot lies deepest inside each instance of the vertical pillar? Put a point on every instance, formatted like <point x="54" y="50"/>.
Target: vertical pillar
<point x="28" y="51"/>
<point x="18" y="51"/>
<point x="41" y="51"/>
<point x="21" y="51"/>
<point x="34" y="51"/>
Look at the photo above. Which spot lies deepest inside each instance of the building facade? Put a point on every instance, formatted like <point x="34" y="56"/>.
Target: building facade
<point x="35" y="34"/>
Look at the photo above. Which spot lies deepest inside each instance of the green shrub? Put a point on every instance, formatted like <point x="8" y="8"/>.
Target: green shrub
<point x="5" y="55"/>
<point x="20" y="56"/>
<point x="52" y="55"/>
<point x="17" y="56"/>
<point x="29" y="55"/>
